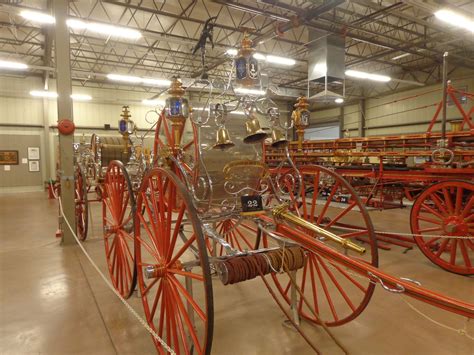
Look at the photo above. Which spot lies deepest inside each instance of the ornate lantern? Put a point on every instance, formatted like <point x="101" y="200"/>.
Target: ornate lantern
<point x="246" y="66"/>
<point x="300" y="117"/>
<point x="176" y="109"/>
<point x="126" y="127"/>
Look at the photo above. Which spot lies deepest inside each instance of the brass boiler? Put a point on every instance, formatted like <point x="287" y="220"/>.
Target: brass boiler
<point x="105" y="149"/>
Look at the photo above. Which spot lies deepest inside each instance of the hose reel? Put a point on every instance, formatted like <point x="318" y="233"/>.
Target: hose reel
<point x="241" y="268"/>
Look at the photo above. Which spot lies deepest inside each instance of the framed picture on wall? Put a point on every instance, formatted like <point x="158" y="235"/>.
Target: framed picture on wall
<point x="33" y="153"/>
<point x="8" y="157"/>
<point x="33" y="166"/>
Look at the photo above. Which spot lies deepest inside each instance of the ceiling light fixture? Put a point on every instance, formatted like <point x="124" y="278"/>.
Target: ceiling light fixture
<point x="137" y="80"/>
<point x="47" y="94"/>
<point x="401" y="56"/>
<point x="81" y="97"/>
<point x="156" y="82"/>
<point x="362" y="75"/>
<point x="36" y="16"/>
<point x="339" y="100"/>
<point x="455" y="19"/>
<point x="232" y="51"/>
<point x="153" y="102"/>
<point x="280" y="60"/>
<point x="259" y="56"/>
<point x="125" y="78"/>
<point x="6" y="64"/>
<point x="109" y="30"/>
<point x="249" y="91"/>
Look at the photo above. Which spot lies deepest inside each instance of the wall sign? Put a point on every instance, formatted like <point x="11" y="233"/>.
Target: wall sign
<point x="8" y="157"/>
<point x="33" y="166"/>
<point x="33" y="153"/>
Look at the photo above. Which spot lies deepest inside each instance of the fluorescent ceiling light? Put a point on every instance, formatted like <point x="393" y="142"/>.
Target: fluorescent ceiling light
<point x="401" y="56"/>
<point x="259" y="56"/>
<point x="274" y="59"/>
<point x="455" y="19"/>
<point x="153" y="102"/>
<point x="36" y="16"/>
<point x="12" y="65"/>
<point x="249" y="91"/>
<point x="156" y="82"/>
<point x="138" y="80"/>
<point x="109" y="30"/>
<point x="126" y="78"/>
<point x="38" y="93"/>
<point x="81" y="97"/>
<point x="368" y="76"/>
<point x="339" y="100"/>
<point x="280" y="60"/>
<point x="232" y="51"/>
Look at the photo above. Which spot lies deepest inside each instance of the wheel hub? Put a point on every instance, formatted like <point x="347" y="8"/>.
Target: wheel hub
<point x="159" y="271"/>
<point x="455" y="226"/>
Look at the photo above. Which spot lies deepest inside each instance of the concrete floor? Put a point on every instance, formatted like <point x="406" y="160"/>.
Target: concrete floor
<point x="53" y="302"/>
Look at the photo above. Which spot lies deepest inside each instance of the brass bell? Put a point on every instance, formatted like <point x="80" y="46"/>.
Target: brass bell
<point x="278" y="139"/>
<point x="255" y="134"/>
<point x="223" y="139"/>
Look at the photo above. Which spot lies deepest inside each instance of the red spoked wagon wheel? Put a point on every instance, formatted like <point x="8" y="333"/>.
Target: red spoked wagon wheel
<point x="445" y="210"/>
<point x="118" y="209"/>
<point x="241" y="234"/>
<point x="82" y="207"/>
<point x="335" y="293"/>
<point x="172" y="263"/>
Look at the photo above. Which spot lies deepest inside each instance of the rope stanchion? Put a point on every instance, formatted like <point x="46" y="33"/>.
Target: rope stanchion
<point x="107" y="282"/>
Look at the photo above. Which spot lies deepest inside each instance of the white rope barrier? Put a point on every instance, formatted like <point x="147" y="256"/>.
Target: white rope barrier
<point x="107" y="282"/>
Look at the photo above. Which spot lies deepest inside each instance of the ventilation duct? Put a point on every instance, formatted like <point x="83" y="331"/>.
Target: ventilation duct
<point x="326" y="65"/>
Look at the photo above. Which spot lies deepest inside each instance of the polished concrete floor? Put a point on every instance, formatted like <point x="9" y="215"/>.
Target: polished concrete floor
<point x="53" y="302"/>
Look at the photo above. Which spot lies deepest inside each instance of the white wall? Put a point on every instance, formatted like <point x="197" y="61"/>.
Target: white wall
<point x="394" y="109"/>
<point x="20" y="111"/>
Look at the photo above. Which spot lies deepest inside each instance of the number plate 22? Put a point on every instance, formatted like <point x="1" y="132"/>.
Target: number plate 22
<point x="251" y="204"/>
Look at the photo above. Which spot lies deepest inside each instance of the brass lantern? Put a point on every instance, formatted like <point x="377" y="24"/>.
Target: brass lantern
<point x="176" y="109"/>
<point x="300" y="117"/>
<point x="126" y="127"/>
<point x="246" y="66"/>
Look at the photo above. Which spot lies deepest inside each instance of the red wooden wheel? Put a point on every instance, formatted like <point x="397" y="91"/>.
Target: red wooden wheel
<point x="241" y="234"/>
<point x="172" y="263"/>
<point x="446" y="209"/>
<point x="336" y="294"/>
<point x="118" y="208"/>
<point x="80" y="192"/>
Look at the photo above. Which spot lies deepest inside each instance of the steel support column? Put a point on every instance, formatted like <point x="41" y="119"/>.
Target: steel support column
<point x="63" y="84"/>
<point x="341" y="122"/>
<point x="362" y="118"/>
<point x="48" y="44"/>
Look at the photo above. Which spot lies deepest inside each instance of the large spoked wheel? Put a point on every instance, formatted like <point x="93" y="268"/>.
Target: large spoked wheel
<point x="445" y="210"/>
<point x="118" y="209"/>
<point x="172" y="263"/>
<point x="336" y="294"/>
<point x="240" y="234"/>
<point x="80" y="192"/>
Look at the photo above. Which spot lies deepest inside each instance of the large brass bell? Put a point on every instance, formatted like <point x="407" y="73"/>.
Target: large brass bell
<point x="278" y="139"/>
<point x="255" y="133"/>
<point x="223" y="140"/>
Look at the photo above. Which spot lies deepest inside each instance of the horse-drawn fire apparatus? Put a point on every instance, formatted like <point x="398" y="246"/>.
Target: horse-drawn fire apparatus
<point x="206" y="204"/>
<point x="434" y="170"/>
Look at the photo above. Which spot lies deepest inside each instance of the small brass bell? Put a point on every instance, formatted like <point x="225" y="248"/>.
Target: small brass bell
<point x="223" y="139"/>
<point x="278" y="139"/>
<point x="255" y="134"/>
